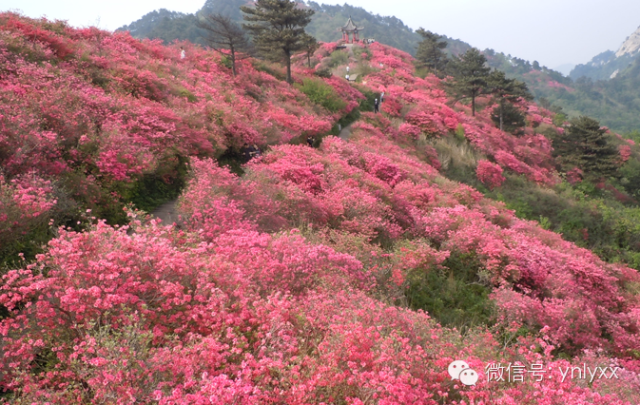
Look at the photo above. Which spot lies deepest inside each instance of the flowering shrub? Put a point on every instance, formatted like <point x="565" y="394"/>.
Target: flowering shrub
<point x="625" y="152"/>
<point x="489" y="174"/>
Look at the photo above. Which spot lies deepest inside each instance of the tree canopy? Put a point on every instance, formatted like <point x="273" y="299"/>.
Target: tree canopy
<point x="507" y="91"/>
<point x="585" y="146"/>
<point x="277" y="27"/>
<point x="471" y="75"/>
<point x="430" y="52"/>
<point x="225" y="36"/>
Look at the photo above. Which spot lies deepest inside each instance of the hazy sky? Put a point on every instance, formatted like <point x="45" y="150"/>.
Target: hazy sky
<point x="553" y="32"/>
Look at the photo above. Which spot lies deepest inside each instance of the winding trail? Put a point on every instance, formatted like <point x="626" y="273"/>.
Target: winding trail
<point x="346" y="132"/>
<point x="167" y="213"/>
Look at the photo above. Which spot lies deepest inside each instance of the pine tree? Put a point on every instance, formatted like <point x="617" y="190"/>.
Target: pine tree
<point x="585" y="146"/>
<point x="471" y="74"/>
<point x="510" y="119"/>
<point x="430" y="52"/>
<point x="226" y="37"/>
<point x="277" y="28"/>
<point x="310" y="45"/>
<point x="507" y="91"/>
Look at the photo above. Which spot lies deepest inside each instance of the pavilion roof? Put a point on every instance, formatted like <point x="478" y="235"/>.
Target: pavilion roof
<point x="350" y="26"/>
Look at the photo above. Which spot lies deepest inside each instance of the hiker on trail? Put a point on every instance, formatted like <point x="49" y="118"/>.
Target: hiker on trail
<point x="310" y="140"/>
<point x="182" y="53"/>
<point x="347" y="77"/>
<point x="382" y="97"/>
<point x="347" y="69"/>
<point x="376" y="106"/>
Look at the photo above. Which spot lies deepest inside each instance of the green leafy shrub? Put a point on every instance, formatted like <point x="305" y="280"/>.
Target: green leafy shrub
<point x="154" y="189"/>
<point x="322" y="94"/>
<point x="323" y="72"/>
<point x="457" y="296"/>
<point x="338" y="58"/>
<point x="226" y="62"/>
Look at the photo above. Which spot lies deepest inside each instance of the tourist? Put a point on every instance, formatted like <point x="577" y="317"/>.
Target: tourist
<point x="255" y="152"/>
<point x="382" y="97"/>
<point x="347" y="77"/>
<point x="310" y="140"/>
<point x="376" y="106"/>
<point x="182" y="53"/>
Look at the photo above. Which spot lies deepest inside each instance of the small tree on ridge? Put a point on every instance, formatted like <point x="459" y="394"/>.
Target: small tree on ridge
<point x="226" y="37"/>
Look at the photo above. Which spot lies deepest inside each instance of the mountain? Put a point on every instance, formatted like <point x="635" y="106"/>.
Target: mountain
<point x="609" y="64"/>
<point x="604" y="66"/>
<point x="166" y="25"/>
<point x="325" y="25"/>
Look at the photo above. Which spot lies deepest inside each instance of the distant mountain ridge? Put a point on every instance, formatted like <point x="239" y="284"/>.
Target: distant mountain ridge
<point x="326" y="24"/>
<point x="609" y="64"/>
<point x="631" y="45"/>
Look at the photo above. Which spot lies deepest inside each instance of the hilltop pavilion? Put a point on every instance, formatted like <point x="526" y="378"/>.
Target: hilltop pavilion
<point x="350" y="29"/>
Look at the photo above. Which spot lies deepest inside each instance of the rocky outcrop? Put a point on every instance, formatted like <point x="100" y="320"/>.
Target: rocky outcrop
<point x="631" y="45"/>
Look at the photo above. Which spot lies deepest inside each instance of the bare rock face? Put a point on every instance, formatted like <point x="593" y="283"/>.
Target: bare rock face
<point x="631" y="45"/>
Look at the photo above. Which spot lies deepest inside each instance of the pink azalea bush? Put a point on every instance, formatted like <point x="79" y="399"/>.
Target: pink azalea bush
<point x="490" y="174"/>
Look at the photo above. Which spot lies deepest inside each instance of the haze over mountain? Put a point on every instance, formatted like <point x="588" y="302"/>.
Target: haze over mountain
<point x="608" y="64"/>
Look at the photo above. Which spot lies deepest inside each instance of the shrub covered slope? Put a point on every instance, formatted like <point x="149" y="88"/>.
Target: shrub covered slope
<point x="351" y="273"/>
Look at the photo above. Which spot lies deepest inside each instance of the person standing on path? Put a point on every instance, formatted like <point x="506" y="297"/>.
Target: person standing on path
<point x="310" y="140"/>
<point x="182" y="53"/>
<point x="382" y="97"/>
<point x="376" y="106"/>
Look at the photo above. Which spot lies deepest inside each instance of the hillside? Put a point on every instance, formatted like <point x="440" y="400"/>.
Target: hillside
<point x="325" y="26"/>
<point x="354" y="271"/>
<point x="613" y="103"/>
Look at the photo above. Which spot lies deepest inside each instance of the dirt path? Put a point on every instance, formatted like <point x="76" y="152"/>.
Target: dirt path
<point x="345" y="133"/>
<point x="167" y="213"/>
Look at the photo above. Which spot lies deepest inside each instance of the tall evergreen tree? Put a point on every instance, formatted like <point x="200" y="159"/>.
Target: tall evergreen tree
<point x="471" y="77"/>
<point x="430" y="52"/>
<point x="506" y="91"/>
<point x="226" y="37"/>
<point x="310" y="45"/>
<point x="585" y="145"/>
<point x="277" y="28"/>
